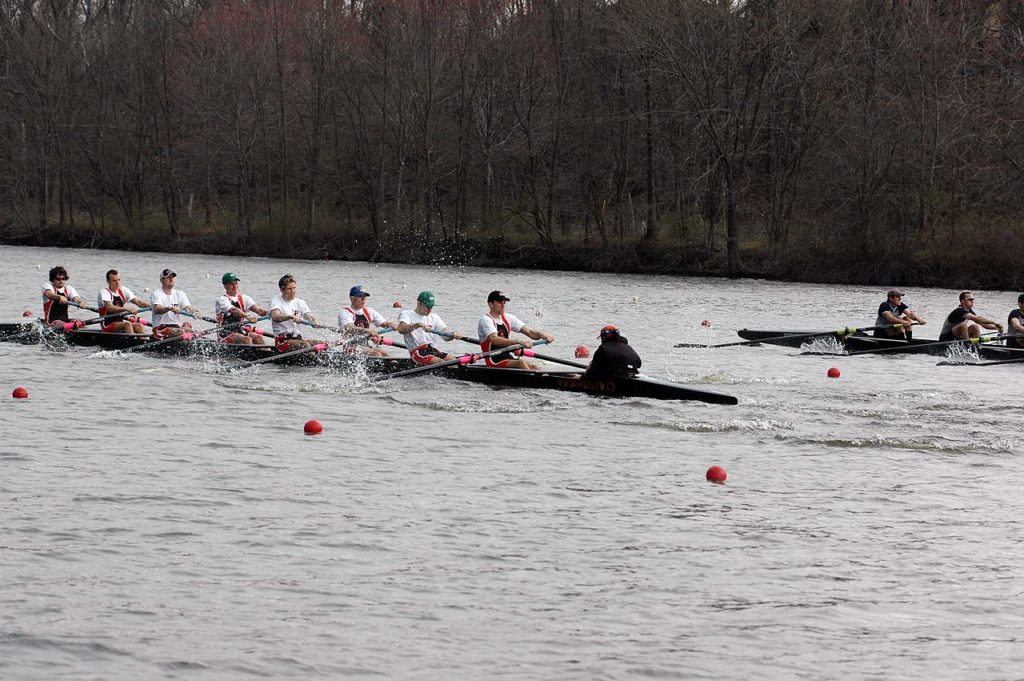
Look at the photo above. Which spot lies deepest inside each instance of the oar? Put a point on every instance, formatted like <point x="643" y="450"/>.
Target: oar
<point x="69" y="326"/>
<point x="182" y="337"/>
<point x="336" y="329"/>
<point x="530" y="353"/>
<point x="845" y="331"/>
<point x="973" y="341"/>
<point x="93" y="309"/>
<point x="461" y="360"/>
<point x="78" y="323"/>
<point x="352" y="335"/>
<point x="319" y="347"/>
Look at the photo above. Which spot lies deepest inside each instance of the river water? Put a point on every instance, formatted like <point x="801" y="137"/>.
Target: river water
<point x="161" y="520"/>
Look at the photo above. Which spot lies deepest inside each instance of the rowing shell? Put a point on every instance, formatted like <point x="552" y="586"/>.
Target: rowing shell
<point x="891" y="346"/>
<point x="566" y="381"/>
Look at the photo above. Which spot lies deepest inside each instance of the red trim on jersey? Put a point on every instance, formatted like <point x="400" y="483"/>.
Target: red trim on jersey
<point x="485" y="345"/>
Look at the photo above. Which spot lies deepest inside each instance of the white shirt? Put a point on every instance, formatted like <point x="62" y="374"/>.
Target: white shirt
<point x="418" y="336"/>
<point x="222" y="306"/>
<point x="489" y="325"/>
<point x="346" y="316"/>
<point x="106" y="296"/>
<point x="288" y="308"/>
<point x="69" y="291"/>
<point x="172" y="299"/>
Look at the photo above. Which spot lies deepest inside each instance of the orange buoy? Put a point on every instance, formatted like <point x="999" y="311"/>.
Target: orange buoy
<point x="313" y="427"/>
<point x="396" y="304"/>
<point x="26" y="313"/>
<point x="833" y="372"/>
<point x="716" y="474"/>
<point x="582" y="351"/>
<point x="20" y="393"/>
<point x="706" y="322"/>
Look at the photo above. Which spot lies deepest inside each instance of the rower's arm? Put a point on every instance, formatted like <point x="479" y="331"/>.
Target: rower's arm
<point x="309" y="317"/>
<point x="111" y="308"/>
<point x="278" y="316"/>
<point x="406" y="327"/>
<point x="537" y="335"/>
<point x="1017" y="326"/>
<point x="891" y="318"/>
<point x="497" y="341"/>
<point x="456" y="335"/>
<point x="984" y="321"/>
<point x="913" y="316"/>
<point x="261" y="311"/>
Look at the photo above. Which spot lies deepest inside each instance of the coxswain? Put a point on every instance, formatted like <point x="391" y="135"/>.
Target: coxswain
<point x="116" y="298"/>
<point x="494" y="329"/>
<point x="168" y="303"/>
<point x="56" y="296"/>
<point x="964" y="323"/>
<point x="357" y="318"/>
<point x="892" y="312"/>
<point x="420" y="327"/>
<point x="234" y="306"/>
<point x="614" y="357"/>
<point x="1015" y="325"/>
<point x="286" y="313"/>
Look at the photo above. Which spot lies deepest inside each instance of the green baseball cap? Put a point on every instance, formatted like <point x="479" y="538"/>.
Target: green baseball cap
<point x="229" y="277"/>
<point x="427" y="298"/>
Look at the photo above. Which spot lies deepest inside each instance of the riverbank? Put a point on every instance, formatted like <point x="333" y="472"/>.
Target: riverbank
<point x="815" y="261"/>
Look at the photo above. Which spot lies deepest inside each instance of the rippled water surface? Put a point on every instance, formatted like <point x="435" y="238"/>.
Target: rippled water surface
<point x="163" y="520"/>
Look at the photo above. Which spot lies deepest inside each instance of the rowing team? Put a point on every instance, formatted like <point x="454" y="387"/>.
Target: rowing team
<point x="421" y="327"/>
<point x="963" y="323"/>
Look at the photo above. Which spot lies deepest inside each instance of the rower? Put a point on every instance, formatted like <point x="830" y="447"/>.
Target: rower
<point x="286" y="313"/>
<point x="894" y="311"/>
<point x="358" y="318"/>
<point x="235" y="306"/>
<point x="420" y="327"/>
<point x="168" y="303"/>
<point x="116" y="298"/>
<point x="614" y="357"/>
<point x="56" y="296"/>
<point x="1015" y="325"/>
<point x="494" y="329"/>
<point x="964" y="323"/>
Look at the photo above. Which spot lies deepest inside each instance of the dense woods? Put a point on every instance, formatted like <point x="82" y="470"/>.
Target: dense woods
<point x="868" y="140"/>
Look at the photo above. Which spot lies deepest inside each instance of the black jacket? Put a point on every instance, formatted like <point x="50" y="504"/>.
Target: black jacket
<point x="614" y="358"/>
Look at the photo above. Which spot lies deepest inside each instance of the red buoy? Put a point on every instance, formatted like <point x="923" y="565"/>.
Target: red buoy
<point x="716" y="474"/>
<point x="26" y="313"/>
<point x="20" y="393"/>
<point x="582" y="351"/>
<point x="396" y="304"/>
<point x="706" y="322"/>
<point x="313" y="427"/>
<point x="833" y="372"/>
